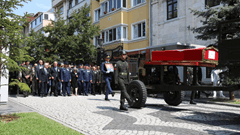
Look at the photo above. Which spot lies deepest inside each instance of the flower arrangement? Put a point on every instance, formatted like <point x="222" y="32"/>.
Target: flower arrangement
<point x="105" y="12"/>
<point x="113" y="9"/>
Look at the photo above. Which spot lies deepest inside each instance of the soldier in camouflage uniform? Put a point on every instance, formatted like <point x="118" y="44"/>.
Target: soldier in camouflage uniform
<point x="122" y="78"/>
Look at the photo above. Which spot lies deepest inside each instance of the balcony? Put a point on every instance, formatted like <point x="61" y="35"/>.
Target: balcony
<point x="56" y="2"/>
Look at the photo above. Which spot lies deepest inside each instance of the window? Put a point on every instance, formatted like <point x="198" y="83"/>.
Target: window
<point x="35" y="22"/>
<point x="135" y="2"/>
<point x="70" y="4"/>
<point x="31" y="24"/>
<point x="172" y="9"/>
<point x="61" y="10"/>
<point x="103" y="36"/>
<point x="97" y="15"/>
<point x="46" y="16"/>
<point x="124" y="3"/>
<point x="114" y="34"/>
<point x="212" y="3"/>
<point x="40" y="18"/>
<point x="96" y="41"/>
<point x="125" y="32"/>
<point x="118" y="32"/>
<point x="104" y="7"/>
<point x="139" y="30"/>
<point x="76" y="2"/>
<point x="110" y="35"/>
<point x="107" y="36"/>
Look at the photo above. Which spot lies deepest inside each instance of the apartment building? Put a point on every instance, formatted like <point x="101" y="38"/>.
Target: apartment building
<point x="122" y="23"/>
<point x="171" y="24"/>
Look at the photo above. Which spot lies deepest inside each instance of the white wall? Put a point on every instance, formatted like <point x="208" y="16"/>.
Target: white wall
<point x="79" y="5"/>
<point x="4" y="84"/>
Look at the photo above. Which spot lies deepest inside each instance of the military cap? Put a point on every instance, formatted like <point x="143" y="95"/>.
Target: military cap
<point x="65" y="63"/>
<point x="107" y="56"/>
<point x="74" y="64"/>
<point x="122" y="52"/>
<point x="59" y="63"/>
<point x="86" y="65"/>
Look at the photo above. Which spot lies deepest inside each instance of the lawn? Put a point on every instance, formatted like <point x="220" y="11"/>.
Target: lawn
<point x="34" y="124"/>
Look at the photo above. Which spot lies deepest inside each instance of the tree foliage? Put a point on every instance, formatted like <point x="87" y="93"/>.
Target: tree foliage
<point x="212" y="18"/>
<point x="11" y="37"/>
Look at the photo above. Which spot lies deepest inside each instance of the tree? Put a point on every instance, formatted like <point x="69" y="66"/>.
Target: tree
<point x="213" y="16"/>
<point x="71" y="40"/>
<point x="11" y="37"/>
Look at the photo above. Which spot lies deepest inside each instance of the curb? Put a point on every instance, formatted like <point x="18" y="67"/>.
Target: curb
<point x="52" y="118"/>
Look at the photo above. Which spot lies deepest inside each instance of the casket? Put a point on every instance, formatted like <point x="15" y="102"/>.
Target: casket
<point x="207" y="57"/>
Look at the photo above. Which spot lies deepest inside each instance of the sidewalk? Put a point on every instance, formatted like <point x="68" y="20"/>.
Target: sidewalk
<point x="12" y="107"/>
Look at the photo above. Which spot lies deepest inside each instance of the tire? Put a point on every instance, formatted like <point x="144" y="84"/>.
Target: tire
<point x="173" y="98"/>
<point x="138" y="92"/>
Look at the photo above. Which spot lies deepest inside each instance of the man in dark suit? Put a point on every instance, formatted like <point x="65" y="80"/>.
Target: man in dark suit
<point x="34" y="81"/>
<point x="95" y="79"/>
<point x="26" y="75"/>
<point x="59" y="77"/>
<point x="100" y="80"/>
<point x="107" y="76"/>
<point x="65" y="79"/>
<point x="80" y="76"/>
<point x="86" y="79"/>
<point x="43" y="79"/>
<point x="54" y="74"/>
<point x="40" y="66"/>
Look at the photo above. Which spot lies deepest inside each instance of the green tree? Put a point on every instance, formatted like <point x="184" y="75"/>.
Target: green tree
<point x="213" y="16"/>
<point x="11" y="36"/>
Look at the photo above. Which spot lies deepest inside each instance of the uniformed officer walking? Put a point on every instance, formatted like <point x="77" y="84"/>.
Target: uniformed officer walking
<point x="122" y="78"/>
<point x="65" y="79"/>
<point x="54" y="74"/>
<point x="80" y="76"/>
<point x="26" y="74"/>
<point x="86" y="79"/>
<point x="107" y="76"/>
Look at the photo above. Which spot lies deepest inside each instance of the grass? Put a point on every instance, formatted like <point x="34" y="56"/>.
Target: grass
<point x="34" y="124"/>
<point x="235" y="101"/>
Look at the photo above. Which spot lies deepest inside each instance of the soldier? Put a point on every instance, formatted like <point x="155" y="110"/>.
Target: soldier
<point x="59" y="82"/>
<point x="80" y="76"/>
<point x="43" y="79"/>
<point x="107" y="76"/>
<point x="65" y="79"/>
<point x="54" y="74"/>
<point x="100" y="80"/>
<point x="34" y="81"/>
<point x="95" y="80"/>
<point x="86" y="79"/>
<point x="122" y="78"/>
<point x="40" y="66"/>
<point x="26" y="74"/>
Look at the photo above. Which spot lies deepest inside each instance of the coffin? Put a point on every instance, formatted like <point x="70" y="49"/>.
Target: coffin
<point x="207" y="57"/>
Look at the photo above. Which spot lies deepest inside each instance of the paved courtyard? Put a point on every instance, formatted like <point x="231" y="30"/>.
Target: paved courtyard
<point x="95" y="116"/>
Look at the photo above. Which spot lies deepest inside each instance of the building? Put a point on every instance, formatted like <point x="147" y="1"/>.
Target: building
<point x="41" y="19"/>
<point x="171" y="23"/>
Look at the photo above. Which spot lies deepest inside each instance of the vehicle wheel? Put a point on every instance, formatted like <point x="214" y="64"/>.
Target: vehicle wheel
<point x="137" y="91"/>
<point x="173" y="98"/>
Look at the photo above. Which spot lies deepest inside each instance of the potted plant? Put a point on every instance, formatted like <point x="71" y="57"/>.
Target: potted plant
<point x="105" y="12"/>
<point x="113" y="9"/>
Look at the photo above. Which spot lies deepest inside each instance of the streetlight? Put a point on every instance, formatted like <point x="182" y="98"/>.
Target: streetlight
<point x="100" y="41"/>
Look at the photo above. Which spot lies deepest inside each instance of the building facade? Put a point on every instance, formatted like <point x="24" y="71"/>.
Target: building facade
<point x="171" y="24"/>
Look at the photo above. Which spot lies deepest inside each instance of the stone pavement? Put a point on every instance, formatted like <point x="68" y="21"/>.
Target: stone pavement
<point x="95" y="116"/>
<point x="12" y="107"/>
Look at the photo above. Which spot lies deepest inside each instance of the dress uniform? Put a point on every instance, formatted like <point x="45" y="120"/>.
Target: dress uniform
<point x="26" y="75"/>
<point x="55" y="73"/>
<point x="43" y="80"/>
<point x="107" y="77"/>
<point x="98" y="89"/>
<point x="122" y="78"/>
<point x="65" y="78"/>
<point x="86" y="79"/>
<point x="80" y="78"/>
<point x="95" y="80"/>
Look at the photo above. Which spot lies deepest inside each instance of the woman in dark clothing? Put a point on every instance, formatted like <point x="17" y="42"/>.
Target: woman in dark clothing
<point x="74" y="82"/>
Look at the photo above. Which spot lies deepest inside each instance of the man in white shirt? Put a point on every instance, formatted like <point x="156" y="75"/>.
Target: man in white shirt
<point x="215" y="79"/>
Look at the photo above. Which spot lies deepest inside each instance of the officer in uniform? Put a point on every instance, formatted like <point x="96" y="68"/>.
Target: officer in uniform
<point x="100" y="80"/>
<point x="95" y="80"/>
<point x="26" y="74"/>
<point x="107" y="76"/>
<point x="80" y="78"/>
<point x="43" y="79"/>
<point x="122" y="78"/>
<point x="86" y="79"/>
<point x="65" y="79"/>
<point x="59" y="77"/>
<point x="54" y="74"/>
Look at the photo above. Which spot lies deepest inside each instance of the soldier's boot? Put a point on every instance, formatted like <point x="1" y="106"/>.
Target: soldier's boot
<point x="122" y="106"/>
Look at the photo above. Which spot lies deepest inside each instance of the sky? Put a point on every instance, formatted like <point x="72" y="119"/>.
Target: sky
<point x="34" y="6"/>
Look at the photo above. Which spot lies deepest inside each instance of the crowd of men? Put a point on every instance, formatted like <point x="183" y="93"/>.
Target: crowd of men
<point x="61" y="79"/>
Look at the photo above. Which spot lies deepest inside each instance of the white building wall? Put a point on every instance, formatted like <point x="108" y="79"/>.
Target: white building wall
<point x="4" y="83"/>
<point x="79" y="5"/>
